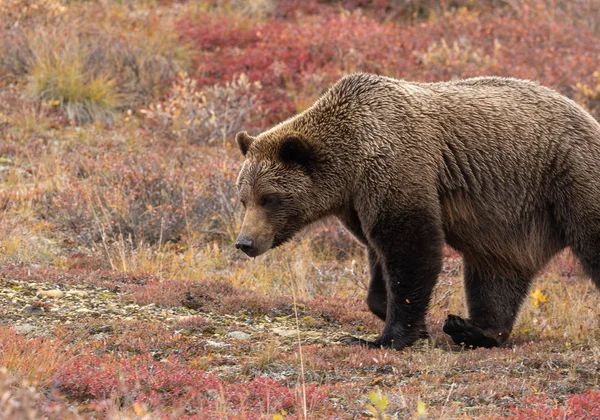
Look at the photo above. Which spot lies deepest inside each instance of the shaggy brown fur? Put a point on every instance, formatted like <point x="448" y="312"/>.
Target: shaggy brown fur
<point x="503" y="170"/>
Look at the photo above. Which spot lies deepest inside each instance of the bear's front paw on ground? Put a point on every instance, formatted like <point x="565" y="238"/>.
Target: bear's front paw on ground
<point x="464" y="333"/>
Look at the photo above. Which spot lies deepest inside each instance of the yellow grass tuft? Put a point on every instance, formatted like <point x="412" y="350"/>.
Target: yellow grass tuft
<point x="60" y="77"/>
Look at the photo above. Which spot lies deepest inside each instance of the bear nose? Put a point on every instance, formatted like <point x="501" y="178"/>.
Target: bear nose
<point x="245" y="244"/>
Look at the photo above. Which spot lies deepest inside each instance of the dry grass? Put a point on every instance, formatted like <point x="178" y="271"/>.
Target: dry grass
<point x="58" y="76"/>
<point x="114" y="57"/>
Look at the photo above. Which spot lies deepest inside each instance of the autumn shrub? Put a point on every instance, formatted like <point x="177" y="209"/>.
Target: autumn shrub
<point x="540" y="406"/>
<point x="285" y="56"/>
<point x="211" y="115"/>
<point x="589" y="94"/>
<point x="171" y="386"/>
<point x="382" y="10"/>
<point x="34" y="360"/>
<point x="144" y="199"/>
<point x="307" y="54"/>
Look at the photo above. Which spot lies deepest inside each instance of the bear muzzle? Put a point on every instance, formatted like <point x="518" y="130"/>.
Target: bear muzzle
<point x="244" y="244"/>
<point x="253" y="247"/>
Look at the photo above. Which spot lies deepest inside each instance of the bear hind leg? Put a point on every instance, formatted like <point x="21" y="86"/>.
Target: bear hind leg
<point x="493" y="301"/>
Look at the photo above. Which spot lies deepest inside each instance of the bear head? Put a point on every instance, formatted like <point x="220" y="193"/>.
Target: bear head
<point x="276" y="187"/>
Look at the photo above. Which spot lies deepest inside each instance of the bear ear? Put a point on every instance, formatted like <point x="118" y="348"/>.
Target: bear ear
<point x="294" y="150"/>
<point x="244" y="141"/>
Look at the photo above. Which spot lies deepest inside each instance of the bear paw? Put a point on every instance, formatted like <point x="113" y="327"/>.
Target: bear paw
<point x="464" y="333"/>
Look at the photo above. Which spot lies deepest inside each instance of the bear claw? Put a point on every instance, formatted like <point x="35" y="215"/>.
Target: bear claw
<point x="463" y="332"/>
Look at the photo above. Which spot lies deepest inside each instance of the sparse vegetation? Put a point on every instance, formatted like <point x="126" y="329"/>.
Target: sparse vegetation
<point x="117" y="172"/>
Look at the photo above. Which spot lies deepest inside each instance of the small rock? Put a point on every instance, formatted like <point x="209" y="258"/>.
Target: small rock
<point x="54" y="294"/>
<point x="80" y="293"/>
<point x="216" y="344"/>
<point x="239" y="335"/>
<point x="284" y="332"/>
<point x="102" y="328"/>
<point x="25" y="329"/>
<point x="32" y="310"/>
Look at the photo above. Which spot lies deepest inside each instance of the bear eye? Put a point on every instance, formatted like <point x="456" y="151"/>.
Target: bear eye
<point x="269" y="200"/>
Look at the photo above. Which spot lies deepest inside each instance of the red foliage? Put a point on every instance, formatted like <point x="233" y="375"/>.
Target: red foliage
<point x="582" y="407"/>
<point x="283" y="55"/>
<point x="290" y="57"/>
<point x="101" y="278"/>
<point x="168" y="385"/>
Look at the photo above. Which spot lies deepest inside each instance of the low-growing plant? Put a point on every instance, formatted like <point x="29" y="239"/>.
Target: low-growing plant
<point x="519" y="40"/>
<point x="211" y="115"/>
<point x="59" y="76"/>
<point x="540" y="406"/>
<point x="136" y="199"/>
<point x="35" y="360"/>
<point x="164" y="385"/>
<point x="93" y="70"/>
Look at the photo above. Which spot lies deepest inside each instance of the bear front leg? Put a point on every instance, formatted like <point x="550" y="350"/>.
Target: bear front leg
<point x="409" y="247"/>
<point x="377" y="296"/>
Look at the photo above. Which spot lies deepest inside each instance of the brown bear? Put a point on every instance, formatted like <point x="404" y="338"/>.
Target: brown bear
<point x="505" y="171"/>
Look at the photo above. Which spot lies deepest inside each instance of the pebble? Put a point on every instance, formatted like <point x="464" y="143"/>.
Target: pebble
<point x="239" y="335"/>
<point x="80" y="293"/>
<point x="285" y="332"/>
<point x="54" y="294"/>
<point x="216" y="344"/>
<point x="25" y="329"/>
<point x="32" y="310"/>
<point x="102" y="328"/>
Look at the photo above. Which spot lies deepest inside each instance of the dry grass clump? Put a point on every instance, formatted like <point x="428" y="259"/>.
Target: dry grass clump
<point x="60" y="75"/>
<point x="113" y="58"/>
